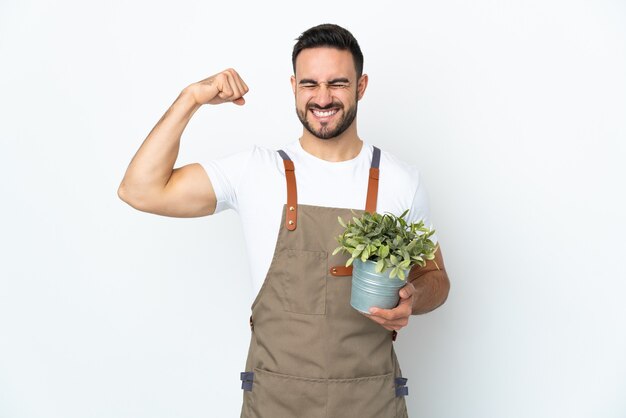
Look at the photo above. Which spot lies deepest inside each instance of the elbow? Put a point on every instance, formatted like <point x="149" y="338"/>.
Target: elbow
<point x="444" y="289"/>
<point x="127" y="196"/>
<point x="139" y="199"/>
<point x="123" y="193"/>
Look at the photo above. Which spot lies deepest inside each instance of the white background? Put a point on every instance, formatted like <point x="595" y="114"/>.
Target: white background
<point x="514" y="111"/>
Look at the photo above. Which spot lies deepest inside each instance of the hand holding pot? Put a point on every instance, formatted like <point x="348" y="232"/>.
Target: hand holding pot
<point x="398" y="317"/>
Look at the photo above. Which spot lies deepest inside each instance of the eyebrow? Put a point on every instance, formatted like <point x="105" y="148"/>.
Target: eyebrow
<point x="333" y="81"/>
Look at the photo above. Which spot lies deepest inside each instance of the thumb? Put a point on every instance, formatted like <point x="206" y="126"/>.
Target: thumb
<point x="240" y="101"/>
<point x="407" y="291"/>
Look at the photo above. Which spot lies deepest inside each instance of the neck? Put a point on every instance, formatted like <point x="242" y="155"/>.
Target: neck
<point x="341" y="148"/>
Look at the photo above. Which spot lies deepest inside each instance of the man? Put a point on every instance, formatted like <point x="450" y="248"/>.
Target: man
<point x="311" y="354"/>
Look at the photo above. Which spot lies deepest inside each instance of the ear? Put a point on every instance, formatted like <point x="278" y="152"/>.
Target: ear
<point x="293" y="84"/>
<point x="362" y="86"/>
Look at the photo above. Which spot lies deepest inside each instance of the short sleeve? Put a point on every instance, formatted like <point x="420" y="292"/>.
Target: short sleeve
<point x="420" y="209"/>
<point x="225" y="174"/>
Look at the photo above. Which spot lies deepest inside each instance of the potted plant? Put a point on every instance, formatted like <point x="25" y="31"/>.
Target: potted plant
<point x="383" y="248"/>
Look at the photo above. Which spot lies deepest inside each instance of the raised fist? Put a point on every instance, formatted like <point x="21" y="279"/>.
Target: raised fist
<point x="226" y="86"/>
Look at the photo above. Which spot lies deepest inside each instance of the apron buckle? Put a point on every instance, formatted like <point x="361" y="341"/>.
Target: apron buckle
<point x="401" y="388"/>
<point x="247" y="379"/>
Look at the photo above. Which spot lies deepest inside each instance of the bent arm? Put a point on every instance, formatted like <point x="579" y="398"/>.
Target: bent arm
<point x="431" y="285"/>
<point x="151" y="184"/>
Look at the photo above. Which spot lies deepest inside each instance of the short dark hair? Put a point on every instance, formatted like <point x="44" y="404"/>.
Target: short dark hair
<point x="329" y="35"/>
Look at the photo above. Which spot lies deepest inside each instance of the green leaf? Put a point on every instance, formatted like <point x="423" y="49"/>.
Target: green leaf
<point x="365" y="254"/>
<point x="384" y="251"/>
<point x="394" y="272"/>
<point x="352" y="242"/>
<point x="390" y="241"/>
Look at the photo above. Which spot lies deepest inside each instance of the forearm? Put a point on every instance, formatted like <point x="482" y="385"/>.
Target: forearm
<point x="152" y="165"/>
<point x="428" y="289"/>
<point x="431" y="285"/>
<point x="431" y="291"/>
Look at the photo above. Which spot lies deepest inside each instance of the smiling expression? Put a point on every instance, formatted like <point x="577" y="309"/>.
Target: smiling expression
<point x="326" y="91"/>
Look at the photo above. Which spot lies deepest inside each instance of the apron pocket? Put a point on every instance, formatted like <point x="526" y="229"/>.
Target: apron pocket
<point x="276" y="395"/>
<point x="365" y="397"/>
<point x="303" y="281"/>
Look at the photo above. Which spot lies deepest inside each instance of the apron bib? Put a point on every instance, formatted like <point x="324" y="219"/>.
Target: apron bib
<point x="311" y="354"/>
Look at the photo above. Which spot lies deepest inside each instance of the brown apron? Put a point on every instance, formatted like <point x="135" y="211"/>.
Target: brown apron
<point x="311" y="354"/>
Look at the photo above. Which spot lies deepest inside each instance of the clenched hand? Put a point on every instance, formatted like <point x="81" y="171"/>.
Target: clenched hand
<point x="226" y="86"/>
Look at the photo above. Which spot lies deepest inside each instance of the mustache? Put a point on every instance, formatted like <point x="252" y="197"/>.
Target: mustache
<point x="327" y="107"/>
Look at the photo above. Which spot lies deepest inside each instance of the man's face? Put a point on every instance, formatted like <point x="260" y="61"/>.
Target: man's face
<point x="326" y="91"/>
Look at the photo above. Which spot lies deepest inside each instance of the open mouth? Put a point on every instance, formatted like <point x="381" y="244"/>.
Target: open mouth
<point x="324" y="114"/>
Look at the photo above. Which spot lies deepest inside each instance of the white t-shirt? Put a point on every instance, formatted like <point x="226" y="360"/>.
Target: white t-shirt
<point x="252" y="182"/>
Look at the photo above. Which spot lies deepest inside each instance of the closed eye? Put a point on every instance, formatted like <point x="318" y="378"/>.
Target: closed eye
<point x="339" y="85"/>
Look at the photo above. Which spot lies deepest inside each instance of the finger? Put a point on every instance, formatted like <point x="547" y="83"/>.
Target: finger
<point x="407" y="291"/>
<point x="387" y="314"/>
<point x="406" y="303"/>
<point x="401" y="311"/>
<point x="390" y="325"/>
<point x="240" y="87"/>
<point x="243" y="88"/>
<point x="223" y="86"/>
<point x="236" y="92"/>
<point x="394" y="324"/>
<point x="378" y="320"/>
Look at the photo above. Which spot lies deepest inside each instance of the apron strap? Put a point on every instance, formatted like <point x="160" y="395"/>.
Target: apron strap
<point x="292" y="193"/>
<point x="370" y="206"/>
<point x="372" y="185"/>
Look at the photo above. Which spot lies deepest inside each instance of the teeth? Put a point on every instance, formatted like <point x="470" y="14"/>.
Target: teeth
<point x="324" y="113"/>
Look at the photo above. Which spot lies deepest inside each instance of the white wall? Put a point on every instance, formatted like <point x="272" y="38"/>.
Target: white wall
<point x="515" y="112"/>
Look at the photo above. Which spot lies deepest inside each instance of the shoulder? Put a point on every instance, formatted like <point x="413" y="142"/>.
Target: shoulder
<point x="253" y="158"/>
<point x="247" y="163"/>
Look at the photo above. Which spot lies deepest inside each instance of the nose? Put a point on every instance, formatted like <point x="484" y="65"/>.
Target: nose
<point x="323" y="96"/>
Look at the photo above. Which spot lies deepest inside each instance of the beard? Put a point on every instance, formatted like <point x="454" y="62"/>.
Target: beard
<point x="325" y="132"/>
